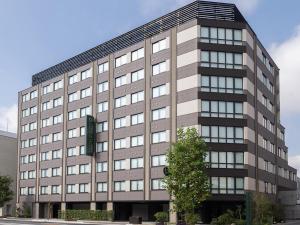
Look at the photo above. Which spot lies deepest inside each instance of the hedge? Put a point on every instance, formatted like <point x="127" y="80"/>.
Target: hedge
<point x="86" y="215"/>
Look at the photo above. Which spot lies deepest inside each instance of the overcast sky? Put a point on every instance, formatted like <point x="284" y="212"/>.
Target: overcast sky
<point x="37" y="34"/>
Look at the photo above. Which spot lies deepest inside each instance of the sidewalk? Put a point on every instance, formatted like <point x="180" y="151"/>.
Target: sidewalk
<point x="72" y="222"/>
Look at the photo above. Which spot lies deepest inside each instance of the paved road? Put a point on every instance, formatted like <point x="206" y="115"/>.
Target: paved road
<point x="28" y="222"/>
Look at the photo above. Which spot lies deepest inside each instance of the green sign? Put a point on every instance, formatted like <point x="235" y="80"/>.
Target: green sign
<point x="90" y="135"/>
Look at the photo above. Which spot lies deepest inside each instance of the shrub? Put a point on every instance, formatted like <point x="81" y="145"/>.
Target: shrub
<point x="161" y="217"/>
<point x="26" y="211"/>
<point x="191" y="218"/>
<point x="224" y="219"/>
<point x="86" y="215"/>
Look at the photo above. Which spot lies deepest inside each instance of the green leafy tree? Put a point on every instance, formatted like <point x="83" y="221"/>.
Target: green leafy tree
<point x="6" y="194"/>
<point x="263" y="211"/>
<point x="187" y="181"/>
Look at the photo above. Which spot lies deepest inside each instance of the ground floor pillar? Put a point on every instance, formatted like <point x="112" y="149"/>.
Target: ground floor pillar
<point x="93" y="206"/>
<point x="172" y="214"/>
<point x="63" y="206"/>
<point x="109" y="206"/>
<point x="36" y="210"/>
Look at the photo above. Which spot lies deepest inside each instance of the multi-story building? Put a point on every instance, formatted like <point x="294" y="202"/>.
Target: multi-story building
<point x="200" y="66"/>
<point x="8" y="165"/>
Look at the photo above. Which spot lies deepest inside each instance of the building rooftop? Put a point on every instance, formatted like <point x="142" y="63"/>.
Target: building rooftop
<point x="195" y="10"/>
<point x="8" y="134"/>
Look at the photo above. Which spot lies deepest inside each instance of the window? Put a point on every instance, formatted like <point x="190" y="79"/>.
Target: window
<point x="56" y="154"/>
<point x="120" y="143"/>
<point x="86" y="92"/>
<point x="103" y="67"/>
<point x="102" y="126"/>
<point x="57" y="119"/>
<point x="55" y="172"/>
<point x="23" y="191"/>
<point x="119" y="186"/>
<point x="227" y="185"/>
<point x="72" y="133"/>
<point x="31" y="190"/>
<point x="137" y="75"/>
<point x="136" y="163"/>
<point x="57" y="136"/>
<point x="157" y="184"/>
<point x="72" y="115"/>
<point x="120" y="81"/>
<point x="31" y="158"/>
<point x="121" y="60"/>
<point x="137" y="141"/>
<point x="25" y="112"/>
<point x="121" y="101"/>
<point x="82" y="150"/>
<point x="158" y="160"/>
<point x="221" y="36"/>
<point x="264" y="101"/>
<point x="218" y="134"/>
<point x="32" y="142"/>
<point x="73" y="97"/>
<point x="159" y="137"/>
<point x="102" y="146"/>
<point x="57" y="102"/>
<point x="71" y="188"/>
<point x="101" y="167"/>
<point x="46" y="105"/>
<point x="265" y="122"/>
<point x="84" y="168"/>
<point x="24" y="159"/>
<point x="137" y="54"/>
<point x="137" y="119"/>
<point x="158" y="114"/>
<point x="31" y="174"/>
<point x="47" y="89"/>
<point x="159" y="45"/>
<point x="85" y="111"/>
<point x="120" y="164"/>
<point x="137" y="97"/>
<point x="159" y="91"/>
<point x="159" y="68"/>
<point x="136" y="185"/>
<point x="86" y="74"/>
<point x="83" y="188"/>
<point x="82" y="131"/>
<point x="221" y="109"/>
<point x="26" y="97"/>
<point x="33" y="110"/>
<point x="226" y="159"/>
<point x="222" y="84"/>
<point x="44" y="190"/>
<point x="45" y="156"/>
<point x="55" y="189"/>
<point x="73" y="79"/>
<point x="46" y="139"/>
<point x="44" y="173"/>
<point x="46" y="122"/>
<point x="102" y="87"/>
<point x="58" y="85"/>
<point x="101" y="187"/>
<point x="102" y="107"/>
<point x="23" y="175"/>
<point x="120" y="122"/>
<point x="71" y="152"/>
<point x="71" y="170"/>
<point x="221" y="60"/>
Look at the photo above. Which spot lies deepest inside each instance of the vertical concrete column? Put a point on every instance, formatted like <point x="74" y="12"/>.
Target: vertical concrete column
<point x="109" y="206"/>
<point x="173" y="111"/>
<point x="172" y="214"/>
<point x="63" y="206"/>
<point x="19" y="149"/>
<point x="110" y="128"/>
<point x="147" y="89"/>
<point x="93" y="206"/>
<point x="65" y="133"/>
<point x="36" y="210"/>
<point x="94" y="113"/>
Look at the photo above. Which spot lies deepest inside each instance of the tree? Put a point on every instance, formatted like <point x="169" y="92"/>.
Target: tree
<point x="187" y="181"/>
<point x="263" y="213"/>
<point x="6" y="194"/>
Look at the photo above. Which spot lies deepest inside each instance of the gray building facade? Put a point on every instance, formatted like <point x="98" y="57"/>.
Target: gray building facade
<point x="200" y="66"/>
<point x="8" y="165"/>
